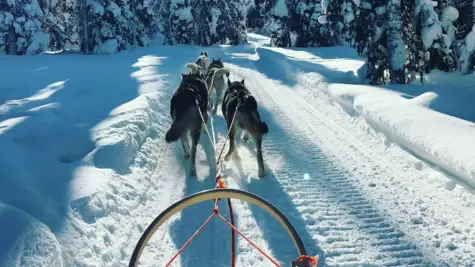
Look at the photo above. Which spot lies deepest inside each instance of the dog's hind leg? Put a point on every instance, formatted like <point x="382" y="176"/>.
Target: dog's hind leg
<point x="195" y="138"/>
<point x="260" y="160"/>
<point x="245" y="135"/>
<point x="185" y="144"/>
<point x="232" y="143"/>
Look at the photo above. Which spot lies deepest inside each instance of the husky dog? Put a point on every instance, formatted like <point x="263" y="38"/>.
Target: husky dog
<point x="203" y="61"/>
<point x="247" y="118"/>
<point x="194" y="68"/>
<point x="215" y="79"/>
<point x="185" y="114"/>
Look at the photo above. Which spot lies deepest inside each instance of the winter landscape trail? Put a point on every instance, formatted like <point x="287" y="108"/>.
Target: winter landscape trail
<point x="355" y="197"/>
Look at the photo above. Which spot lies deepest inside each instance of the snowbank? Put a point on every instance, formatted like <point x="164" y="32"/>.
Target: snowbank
<point x="445" y="141"/>
<point x="25" y="241"/>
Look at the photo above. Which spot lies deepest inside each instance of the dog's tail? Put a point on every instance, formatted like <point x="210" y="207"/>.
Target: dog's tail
<point x="193" y="67"/>
<point x="177" y="129"/>
<point x="221" y="72"/>
<point x="264" y="128"/>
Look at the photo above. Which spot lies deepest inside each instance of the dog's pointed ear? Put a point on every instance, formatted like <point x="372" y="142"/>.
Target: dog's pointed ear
<point x="206" y="54"/>
<point x="242" y="82"/>
<point x="229" y="82"/>
<point x="201" y="53"/>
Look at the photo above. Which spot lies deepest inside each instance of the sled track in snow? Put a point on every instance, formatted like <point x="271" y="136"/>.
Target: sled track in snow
<point x="333" y="212"/>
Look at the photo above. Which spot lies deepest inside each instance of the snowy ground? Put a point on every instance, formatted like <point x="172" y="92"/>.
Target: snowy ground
<point x="368" y="176"/>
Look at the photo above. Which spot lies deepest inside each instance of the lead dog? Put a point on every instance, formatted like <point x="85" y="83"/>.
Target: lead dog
<point x="215" y="79"/>
<point x="203" y="61"/>
<point x="247" y="118"/>
<point x="190" y="94"/>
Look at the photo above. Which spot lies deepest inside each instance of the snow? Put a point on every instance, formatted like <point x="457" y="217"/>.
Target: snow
<point x="111" y="46"/>
<point x="26" y="241"/>
<point x="325" y="4"/>
<point x="85" y="168"/>
<point x="40" y="43"/>
<point x="280" y="9"/>
<point x="429" y="34"/>
<point x="446" y="141"/>
<point x="185" y="14"/>
<point x="322" y="19"/>
<point x="114" y="9"/>
<point x="380" y="10"/>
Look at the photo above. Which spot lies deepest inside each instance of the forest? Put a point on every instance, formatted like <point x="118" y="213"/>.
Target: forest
<point x="400" y="39"/>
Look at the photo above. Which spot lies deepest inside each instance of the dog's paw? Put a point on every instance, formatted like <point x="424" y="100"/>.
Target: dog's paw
<point x="186" y="153"/>
<point x="193" y="172"/>
<point x="261" y="173"/>
<point x="237" y="157"/>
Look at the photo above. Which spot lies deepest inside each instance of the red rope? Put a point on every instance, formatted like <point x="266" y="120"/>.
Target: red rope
<point x="192" y="237"/>
<point x="312" y="260"/>
<point x="247" y="239"/>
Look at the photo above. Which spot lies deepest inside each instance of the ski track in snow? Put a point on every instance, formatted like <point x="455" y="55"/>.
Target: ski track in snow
<point x="354" y="198"/>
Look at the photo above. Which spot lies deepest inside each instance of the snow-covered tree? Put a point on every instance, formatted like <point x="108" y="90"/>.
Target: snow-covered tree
<point x="396" y="49"/>
<point x="377" y="62"/>
<point x="206" y="14"/>
<point x="182" y="24"/>
<point x="309" y="24"/>
<point x="467" y="53"/>
<point x="300" y="24"/>
<point x="280" y="30"/>
<point x="349" y="12"/>
<point x="236" y="26"/>
<point x="365" y="27"/>
<point x="415" y="54"/>
<point x="23" y="28"/>
<point x="334" y="17"/>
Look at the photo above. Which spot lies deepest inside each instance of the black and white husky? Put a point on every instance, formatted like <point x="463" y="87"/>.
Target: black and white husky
<point x="203" y="61"/>
<point x="185" y="114"/>
<point x="247" y="118"/>
<point x="215" y="79"/>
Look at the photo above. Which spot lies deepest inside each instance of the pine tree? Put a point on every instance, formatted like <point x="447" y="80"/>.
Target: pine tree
<point x="334" y="18"/>
<point x="365" y="30"/>
<point x="24" y="27"/>
<point x="280" y="30"/>
<point x="396" y="49"/>
<point x="413" y="43"/>
<point x="182" y="24"/>
<point x="237" y="23"/>
<point x="377" y="63"/>
<point x="349" y="12"/>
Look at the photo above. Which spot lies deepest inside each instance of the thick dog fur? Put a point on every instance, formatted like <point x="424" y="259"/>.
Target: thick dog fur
<point x="194" y="68"/>
<point x="203" y="61"/>
<point x="185" y="114"/>
<point x="215" y="79"/>
<point x="247" y="118"/>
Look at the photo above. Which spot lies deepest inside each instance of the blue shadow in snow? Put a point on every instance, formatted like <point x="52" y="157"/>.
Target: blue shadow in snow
<point x="40" y="154"/>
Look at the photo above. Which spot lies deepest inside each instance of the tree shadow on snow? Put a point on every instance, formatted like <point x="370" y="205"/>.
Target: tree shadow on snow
<point x="55" y="109"/>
